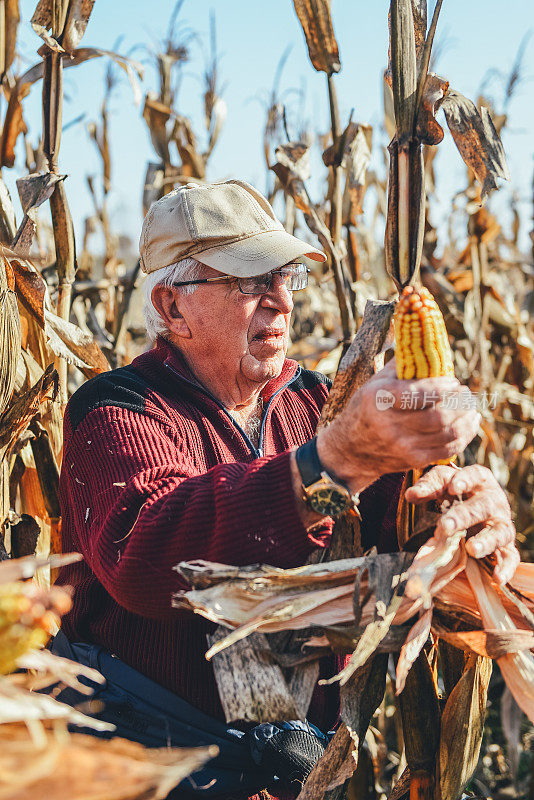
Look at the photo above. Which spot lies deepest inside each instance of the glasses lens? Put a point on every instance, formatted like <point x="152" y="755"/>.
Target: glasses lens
<point x="294" y="276"/>
<point x="300" y="277"/>
<point x="259" y="284"/>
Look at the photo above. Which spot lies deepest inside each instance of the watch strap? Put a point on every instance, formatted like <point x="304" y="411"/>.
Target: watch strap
<point x="309" y="463"/>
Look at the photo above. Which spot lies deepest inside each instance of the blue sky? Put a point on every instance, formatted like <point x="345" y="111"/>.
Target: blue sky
<point x="475" y="36"/>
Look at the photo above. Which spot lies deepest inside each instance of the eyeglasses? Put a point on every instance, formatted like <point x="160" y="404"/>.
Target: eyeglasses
<point x="294" y="277"/>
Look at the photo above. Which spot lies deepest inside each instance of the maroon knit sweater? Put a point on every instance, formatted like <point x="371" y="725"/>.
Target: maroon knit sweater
<point x="155" y="471"/>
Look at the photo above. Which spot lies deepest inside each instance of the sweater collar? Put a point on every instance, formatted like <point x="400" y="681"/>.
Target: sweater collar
<point x="167" y="353"/>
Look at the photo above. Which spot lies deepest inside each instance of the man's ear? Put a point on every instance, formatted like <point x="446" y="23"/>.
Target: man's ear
<point x="165" y="302"/>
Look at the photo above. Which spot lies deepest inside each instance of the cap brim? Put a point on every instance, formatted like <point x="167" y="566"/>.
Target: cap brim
<point x="259" y="253"/>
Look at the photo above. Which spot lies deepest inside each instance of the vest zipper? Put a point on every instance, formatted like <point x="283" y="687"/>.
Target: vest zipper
<point x="256" y="451"/>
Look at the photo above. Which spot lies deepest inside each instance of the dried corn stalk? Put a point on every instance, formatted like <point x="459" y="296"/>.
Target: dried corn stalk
<point x="9" y="333"/>
<point x="423" y="348"/>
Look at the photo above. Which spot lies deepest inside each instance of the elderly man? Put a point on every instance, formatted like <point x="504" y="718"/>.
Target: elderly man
<point x="204" y="448"/>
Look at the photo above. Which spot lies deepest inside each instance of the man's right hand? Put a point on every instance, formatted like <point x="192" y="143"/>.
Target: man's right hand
<point x="391" y="425"/>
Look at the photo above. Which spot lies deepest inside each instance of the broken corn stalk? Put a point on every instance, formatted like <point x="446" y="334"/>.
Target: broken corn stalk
<point x="422" y="344"/>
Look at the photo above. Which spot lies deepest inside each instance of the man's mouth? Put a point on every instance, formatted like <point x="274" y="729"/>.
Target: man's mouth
<point x="270" y="335"/>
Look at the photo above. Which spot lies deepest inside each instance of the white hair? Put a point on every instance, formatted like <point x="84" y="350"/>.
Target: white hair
<point x="188" y="269"/>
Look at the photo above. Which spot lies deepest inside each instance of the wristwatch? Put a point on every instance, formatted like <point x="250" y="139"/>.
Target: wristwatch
<point x="323" y="493"/>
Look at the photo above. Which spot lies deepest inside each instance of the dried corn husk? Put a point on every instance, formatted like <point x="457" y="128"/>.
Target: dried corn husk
<point x="439" y="580"/>
<point x="314" y="16"/>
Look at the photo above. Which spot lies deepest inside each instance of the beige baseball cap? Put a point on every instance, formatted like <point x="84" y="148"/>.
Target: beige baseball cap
<point x="229" y="226"/>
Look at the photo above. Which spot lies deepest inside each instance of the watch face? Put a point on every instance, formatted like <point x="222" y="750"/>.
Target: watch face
<point x="329" y="501"/>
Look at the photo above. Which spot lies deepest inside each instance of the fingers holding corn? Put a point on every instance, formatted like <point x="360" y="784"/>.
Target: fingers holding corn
<point x="484" y="511"/>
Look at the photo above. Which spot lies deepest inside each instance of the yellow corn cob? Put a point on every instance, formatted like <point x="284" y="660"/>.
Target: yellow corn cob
<point x="28" y="616"/>
<point x="422" y="344"/>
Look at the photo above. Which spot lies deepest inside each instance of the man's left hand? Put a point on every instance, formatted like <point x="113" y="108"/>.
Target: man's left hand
<point x="484" y="513"/>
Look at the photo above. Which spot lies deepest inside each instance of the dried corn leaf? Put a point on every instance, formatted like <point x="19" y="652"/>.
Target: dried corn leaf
<point x="64" y="338"/>
<point x="14" y="125"/>
<point x="153" y="185"/>
<point x="439" y="560"/>
<point x="12" y="19"/>
<point x="33" y="190"/>
<point x="79" y="767"/>
<point x="76" y="23"/>
<point x="359" y="700"/>
<point x="47" y="38"/>
<point x="19" y="705"/>
<point x="50" y="15"/>
<point x="156" y="116"/>
<point x="31" y="287"/>
<point x="9" y="333"/>
<point x="401" y="790"/>
<point x="491" y="644"/>
<point x="476" y="139"/>
<point x="517" y="668"/>
<point x="193" y="162"/>
<point x="356" y="158"/>
<point x="316" y="21"/>
<point x="22" y="568"/>
<point x="512" y="718"/>
<point x="518" y="599"/>
<point x="429" y="130"/>
<point x="18" y="416"/>
<point x="53" y="669"/>
<point x="373" y="634"/>
<point x="415" y="641"/>
<point x="8" y="223"/>
<point x="217" y="119"/>
<point x="327" y="596"/>
<point x="462" y="724"/>
<point x="132" y="68"/>
<point x="296" y="157"/>
<point x="356" y="164"/>
<point x="289" y="173"/>
<point x="420" y="713"/>
<point x="201" y="574"/>
<point x="43" y="14"/>
<point x="273" y="613"/>
<point x="77" y="347"/>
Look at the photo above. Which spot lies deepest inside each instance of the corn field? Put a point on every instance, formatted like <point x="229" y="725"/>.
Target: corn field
<point x="69" y="312"/>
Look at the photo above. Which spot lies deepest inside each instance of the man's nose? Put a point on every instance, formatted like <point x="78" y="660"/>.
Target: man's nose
<point x="278" y="296"/>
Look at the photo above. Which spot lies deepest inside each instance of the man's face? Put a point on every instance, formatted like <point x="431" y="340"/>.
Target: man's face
<point x="242" y="337"/>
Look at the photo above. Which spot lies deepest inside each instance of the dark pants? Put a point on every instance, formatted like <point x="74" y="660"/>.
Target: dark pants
<point x="145" y="712"/>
